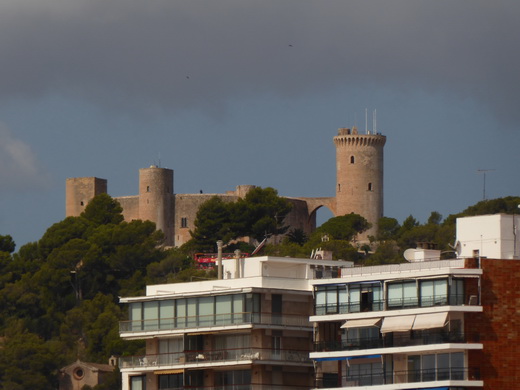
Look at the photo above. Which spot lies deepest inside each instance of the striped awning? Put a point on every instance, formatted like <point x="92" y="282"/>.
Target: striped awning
<point x="366" y="322"/>
<point x="397" y="324"/>
<point x="165" y="372"/>
<point x="430" y="321"/>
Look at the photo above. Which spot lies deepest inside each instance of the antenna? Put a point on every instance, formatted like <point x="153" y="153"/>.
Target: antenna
<point x="375" y="121"/>
<point x="366" y="121"/>
<point x="483" y="171"/>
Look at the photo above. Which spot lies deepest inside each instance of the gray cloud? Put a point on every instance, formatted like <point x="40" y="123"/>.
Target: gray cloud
<point x="19" y="166"/>
<point x="198" y="54"/>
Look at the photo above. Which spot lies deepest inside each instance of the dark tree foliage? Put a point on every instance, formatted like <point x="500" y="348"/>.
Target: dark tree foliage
<point x="103" y="210"/>
<point x="62" y="292"/>
<point x="297" y="236"/>
<point x="345" y="227"/>
<point x="261" y="213"/>
<point x="7" y="244"/>
<point x="213" y="223"/>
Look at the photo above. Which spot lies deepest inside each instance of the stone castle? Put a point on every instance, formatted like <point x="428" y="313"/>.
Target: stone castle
<point x="359" y="189"/>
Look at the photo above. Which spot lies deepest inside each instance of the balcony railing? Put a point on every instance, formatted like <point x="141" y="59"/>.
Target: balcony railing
<point x="425" y="337"/>
<point x="252" y="386"/>
<point x="411" y="376"/>
<point x="389" y="304"/>
<point x="222" y="355"/>
<point x="286" y="320"/>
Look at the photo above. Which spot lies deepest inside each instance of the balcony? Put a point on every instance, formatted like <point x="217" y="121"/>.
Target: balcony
<point x="411" y="376"/>
<point x="425" y="337"/>
<point x="214" y="356"/>
<point x="392" y="304"/>
<point x="252" y="386"/>
<point x="264" y="319"/>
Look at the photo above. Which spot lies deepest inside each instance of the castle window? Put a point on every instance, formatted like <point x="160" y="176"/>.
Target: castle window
<point x="352" y="159"/>
<point x="184" y="222"/>
<point x="339" y="187"/>
<point x="81" y="203"/>
<point x="147" y="188"/>
<point x="370" y="187"/>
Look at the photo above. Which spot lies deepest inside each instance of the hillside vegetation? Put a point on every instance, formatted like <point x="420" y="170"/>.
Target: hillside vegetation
<point x="60" y="295"/>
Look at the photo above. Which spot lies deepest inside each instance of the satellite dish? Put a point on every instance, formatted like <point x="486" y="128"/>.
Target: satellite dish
<point x="409" y="255"/>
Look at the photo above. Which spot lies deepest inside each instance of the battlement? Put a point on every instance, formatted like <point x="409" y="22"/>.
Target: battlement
<point x="347" y="139"/>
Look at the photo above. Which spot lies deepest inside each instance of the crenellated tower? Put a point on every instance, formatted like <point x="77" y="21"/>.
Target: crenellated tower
<point x="359" y="175"/>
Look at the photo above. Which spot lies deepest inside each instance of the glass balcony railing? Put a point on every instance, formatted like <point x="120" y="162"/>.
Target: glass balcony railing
<point x="410" y="376"/>
<point x="425" y="337"/>
<point x="389" y="304"/>
<point x="222" y="355"/>
<point x="285" y="320"/>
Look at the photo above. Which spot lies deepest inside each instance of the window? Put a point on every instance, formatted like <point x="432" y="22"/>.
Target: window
<point x="365" y="374"/>
<point x="147" y="188"/>
<point x="457" y="292"/>
<point x="330" y="298"/>
<point x="277" y="344"/>
<point x="364" y="297"/>
<point x="138" y="382"/>
<point x="436" y="367"/>
<point x="352" y="159"/>
<point x="402" y="294"/>
<point x="192" y="312"/>
<point x="370" y="186"/>
<point x="171" y="381"/>
<point x="184" y="222"/>
<point x="362" y="338"/>
<point x="233" y="378"/>
<point x="434" y="292"/>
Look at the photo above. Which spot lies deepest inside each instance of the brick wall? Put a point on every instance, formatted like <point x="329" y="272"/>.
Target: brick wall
<point x="498" y="325"/>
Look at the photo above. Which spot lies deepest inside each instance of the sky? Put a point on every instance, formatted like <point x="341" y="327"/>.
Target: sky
<point x="229" y="92"/>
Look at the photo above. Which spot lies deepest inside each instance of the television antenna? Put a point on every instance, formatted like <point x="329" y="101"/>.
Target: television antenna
<point x="483" y="172"/>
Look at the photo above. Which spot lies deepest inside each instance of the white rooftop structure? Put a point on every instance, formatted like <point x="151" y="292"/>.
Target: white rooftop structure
<point x="492" y="236"/>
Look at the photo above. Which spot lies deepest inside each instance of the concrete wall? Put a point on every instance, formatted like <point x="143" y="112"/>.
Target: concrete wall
<point x="493" y="236"/>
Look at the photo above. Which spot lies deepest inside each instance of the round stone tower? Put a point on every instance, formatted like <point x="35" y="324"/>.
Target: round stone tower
<point x="156" y="202"/>
<point x="359" y="175"/>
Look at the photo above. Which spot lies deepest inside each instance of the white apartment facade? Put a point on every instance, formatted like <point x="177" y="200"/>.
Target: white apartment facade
<point x="249" y="330"/>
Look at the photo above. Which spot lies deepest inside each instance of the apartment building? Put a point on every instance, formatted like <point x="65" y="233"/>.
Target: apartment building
<point x="428" y="323"/>
<point x="283" y="323"/>
<point x="248" y="330"/>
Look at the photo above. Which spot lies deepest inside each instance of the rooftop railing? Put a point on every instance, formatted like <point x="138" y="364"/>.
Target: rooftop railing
<point x="403" y="267"/>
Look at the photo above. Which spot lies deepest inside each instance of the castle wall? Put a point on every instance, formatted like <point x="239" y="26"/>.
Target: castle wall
<point x="359" y="189"/>
<point x="300" y="217"/>
<point x="130" y="205"/>
<point x="186" y="207"/>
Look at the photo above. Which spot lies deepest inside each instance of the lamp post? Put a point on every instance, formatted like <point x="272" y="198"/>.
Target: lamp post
<point x="219" y="258"/>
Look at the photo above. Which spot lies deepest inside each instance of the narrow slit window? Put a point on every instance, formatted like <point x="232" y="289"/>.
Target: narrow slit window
<point x="370" y="187"/>
<point x="352" y="159"/>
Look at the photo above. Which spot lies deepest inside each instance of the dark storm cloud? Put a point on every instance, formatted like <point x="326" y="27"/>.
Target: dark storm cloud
<point x="176" y="54"/>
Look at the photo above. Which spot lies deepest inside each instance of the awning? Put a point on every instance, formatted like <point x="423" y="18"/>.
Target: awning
<point x="164" y="372"/>
<point x="364" y="357"/>
<point x="362" y="323"/>
<point x="430" y="321"/>
<point x="397" y="324"/>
